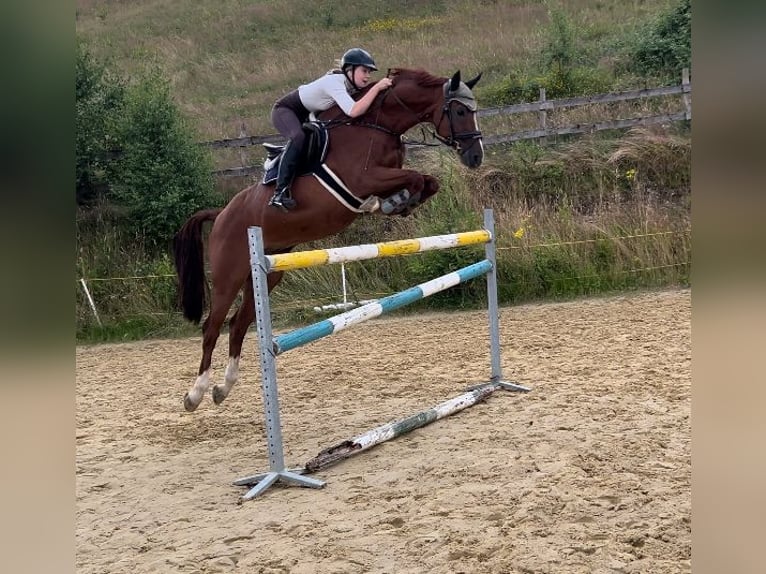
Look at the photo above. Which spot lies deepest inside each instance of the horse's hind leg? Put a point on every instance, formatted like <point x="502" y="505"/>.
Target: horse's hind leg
<point x="237" y="328"/>
<point x="223" y="297"/>
<point x="239" y="324"/>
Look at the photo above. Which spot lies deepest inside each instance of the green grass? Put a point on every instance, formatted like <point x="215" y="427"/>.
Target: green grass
<point x="124" y="329"/>
<point x="579" y="219"/>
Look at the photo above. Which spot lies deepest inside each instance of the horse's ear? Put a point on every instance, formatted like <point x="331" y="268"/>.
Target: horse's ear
<point x="472" y="83"/>
<point x="455" y="82"/>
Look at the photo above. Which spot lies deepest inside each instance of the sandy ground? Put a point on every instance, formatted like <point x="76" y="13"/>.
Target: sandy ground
<point x="589" y="472"/>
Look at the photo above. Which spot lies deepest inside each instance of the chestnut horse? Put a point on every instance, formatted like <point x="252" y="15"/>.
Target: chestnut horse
<point x="367" y="154"/>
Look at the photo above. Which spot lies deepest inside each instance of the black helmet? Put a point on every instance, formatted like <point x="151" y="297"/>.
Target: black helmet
<point x="357" y="57"/>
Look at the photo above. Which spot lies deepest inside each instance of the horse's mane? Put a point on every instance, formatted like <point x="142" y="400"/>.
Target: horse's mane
<point x="418" y="75"/>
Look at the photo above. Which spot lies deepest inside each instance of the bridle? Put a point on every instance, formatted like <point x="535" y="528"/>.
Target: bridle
<point x="454" y="139"/>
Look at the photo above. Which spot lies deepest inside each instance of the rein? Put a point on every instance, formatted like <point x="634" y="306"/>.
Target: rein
<point x="329" y="124"/>
<point x="453" y="140"/>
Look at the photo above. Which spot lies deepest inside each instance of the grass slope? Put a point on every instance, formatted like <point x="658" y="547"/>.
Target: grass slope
<point x="230" y="59"/>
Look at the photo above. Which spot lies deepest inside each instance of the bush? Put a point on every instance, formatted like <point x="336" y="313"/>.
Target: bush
<point x="564" y="73"/>
<point x="665" y="48"/>
<point x="560" y="52"/>
<point x="162" y="175"/>
<point x="137" y="164"/>
<point x="99" y="97"/>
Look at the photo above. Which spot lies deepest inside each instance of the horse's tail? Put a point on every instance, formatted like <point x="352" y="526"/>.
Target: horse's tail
<point x="189" y="260"/>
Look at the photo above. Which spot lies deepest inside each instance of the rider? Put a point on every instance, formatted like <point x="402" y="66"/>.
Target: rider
<point x="292" y="110"/>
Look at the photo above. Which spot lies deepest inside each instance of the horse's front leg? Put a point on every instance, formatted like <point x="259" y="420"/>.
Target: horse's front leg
<point x="397" y="187"/>
<point x="430" y="188"/>
<point x="239" y="324"/>
<point x="386" y="181"/>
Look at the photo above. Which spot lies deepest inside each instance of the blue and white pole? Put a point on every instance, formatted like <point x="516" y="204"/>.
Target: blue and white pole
<point x="298" y="337"/>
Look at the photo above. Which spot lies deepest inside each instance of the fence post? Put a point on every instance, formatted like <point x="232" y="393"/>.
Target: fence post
<point x="493" y="310"/>
<point x="492" y="307"/>
<point x="343" y="281"/>
<point x="686" y="93"/>
<point x="543" y="114"/>
<point x="242" y="154"/>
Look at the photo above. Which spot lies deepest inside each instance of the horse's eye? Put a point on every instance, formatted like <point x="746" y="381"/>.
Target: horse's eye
<point x="460" y="112"/>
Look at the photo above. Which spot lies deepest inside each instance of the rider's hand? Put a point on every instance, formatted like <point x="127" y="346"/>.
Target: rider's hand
<point x="384" y="83"/>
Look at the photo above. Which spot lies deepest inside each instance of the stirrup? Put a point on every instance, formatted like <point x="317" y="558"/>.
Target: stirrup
<point x="285" y="202"/>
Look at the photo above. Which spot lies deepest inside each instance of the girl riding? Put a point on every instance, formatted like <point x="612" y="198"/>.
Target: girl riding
<point x="292" y="110"/>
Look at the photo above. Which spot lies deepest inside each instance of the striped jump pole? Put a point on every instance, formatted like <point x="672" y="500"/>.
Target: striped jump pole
<point x="303" y="259"/>
<point x="270" y="347"/>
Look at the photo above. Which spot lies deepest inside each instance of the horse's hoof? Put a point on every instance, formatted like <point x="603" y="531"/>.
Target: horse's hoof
<point x="412" y="203"/>
<point x="188" y="404"/>
<point x="218" y="395"/>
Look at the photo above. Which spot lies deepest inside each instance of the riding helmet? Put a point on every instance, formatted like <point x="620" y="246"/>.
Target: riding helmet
<point x="357" y="57"/>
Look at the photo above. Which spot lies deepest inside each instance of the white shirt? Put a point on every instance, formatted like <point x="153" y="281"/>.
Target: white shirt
<point x="323" y="93"/>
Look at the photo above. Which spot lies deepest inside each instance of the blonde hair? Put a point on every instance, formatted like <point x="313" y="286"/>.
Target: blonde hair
<point x="336" y="69"/>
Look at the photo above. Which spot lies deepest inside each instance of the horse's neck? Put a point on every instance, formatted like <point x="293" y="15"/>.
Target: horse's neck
<point x="409" y="109"/>
<point x="334" y="113"/>
<point x="394" y="112"/>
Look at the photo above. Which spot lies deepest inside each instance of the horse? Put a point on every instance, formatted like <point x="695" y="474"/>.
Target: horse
<point x="367" y="155"/>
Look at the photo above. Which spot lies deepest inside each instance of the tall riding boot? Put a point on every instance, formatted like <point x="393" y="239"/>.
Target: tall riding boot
<point x="287" y="166"/>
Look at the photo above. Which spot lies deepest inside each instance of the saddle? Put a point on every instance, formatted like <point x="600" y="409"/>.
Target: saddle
<point x="312" y="163"/>
<point x="314" y="152"/>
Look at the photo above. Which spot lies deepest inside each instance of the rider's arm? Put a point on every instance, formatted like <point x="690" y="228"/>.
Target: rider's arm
<point x="363" y="104"/>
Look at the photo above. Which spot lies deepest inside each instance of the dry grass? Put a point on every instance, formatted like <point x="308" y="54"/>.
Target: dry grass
<point x="229" y="60"/>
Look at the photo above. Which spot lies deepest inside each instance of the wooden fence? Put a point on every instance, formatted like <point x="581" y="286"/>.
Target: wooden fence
<point x="542" y="107"/>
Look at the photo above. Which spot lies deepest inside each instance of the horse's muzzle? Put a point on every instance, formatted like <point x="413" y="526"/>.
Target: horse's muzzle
<point x="472" y="155"/>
